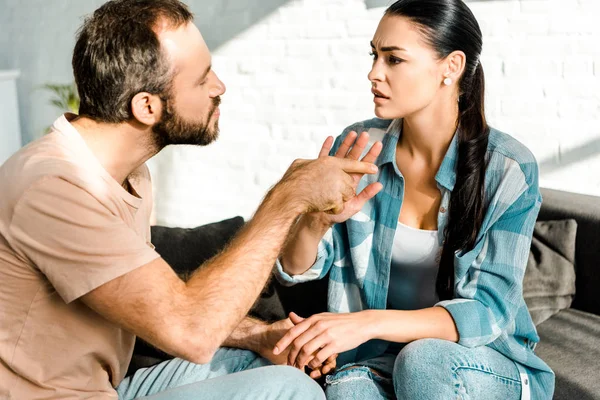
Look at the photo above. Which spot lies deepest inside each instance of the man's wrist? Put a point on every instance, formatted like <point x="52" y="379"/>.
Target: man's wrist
<point x="316" y="224"/>
<point x="249" y="335"/>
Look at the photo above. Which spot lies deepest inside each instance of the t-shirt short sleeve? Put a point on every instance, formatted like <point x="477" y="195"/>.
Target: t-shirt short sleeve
<point x="74" y="239"/>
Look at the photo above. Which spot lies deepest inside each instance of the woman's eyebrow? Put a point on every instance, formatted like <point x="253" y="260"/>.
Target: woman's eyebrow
<point x="389" y="48"/>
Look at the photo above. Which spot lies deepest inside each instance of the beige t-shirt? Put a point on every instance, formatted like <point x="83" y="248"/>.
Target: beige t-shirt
<point x="66" y="228"/>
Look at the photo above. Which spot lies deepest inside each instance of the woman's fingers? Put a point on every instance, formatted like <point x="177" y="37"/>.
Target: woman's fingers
<point x="373" y="153"/>
<point x="326" y="147"/>
<point x="291" y="335"/>
<point x="346" y="145"/>
<point x="365" y="195"/>
<point x="325" y="357"/>
<point x="359" y="146"/>
<point x="295" y="318"/>
<point x="306" y="354"/>
<point x="298" y="344"/>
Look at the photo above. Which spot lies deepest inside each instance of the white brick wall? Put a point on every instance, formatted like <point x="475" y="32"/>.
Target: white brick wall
<point x="294" y="78"/>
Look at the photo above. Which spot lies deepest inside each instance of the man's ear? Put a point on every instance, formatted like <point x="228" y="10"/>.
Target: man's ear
<point x="146" y="108"/>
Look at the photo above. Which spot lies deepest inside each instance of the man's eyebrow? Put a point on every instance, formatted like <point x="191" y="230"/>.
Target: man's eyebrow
<point x="205" y="72"/>
<point x="388" y="48"/>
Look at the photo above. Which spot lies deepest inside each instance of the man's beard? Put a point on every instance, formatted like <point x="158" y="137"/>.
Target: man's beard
<point x="173" y="129"/>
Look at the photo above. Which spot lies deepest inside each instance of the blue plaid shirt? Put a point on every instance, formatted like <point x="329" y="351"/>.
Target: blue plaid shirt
<point x="488" y="306"/>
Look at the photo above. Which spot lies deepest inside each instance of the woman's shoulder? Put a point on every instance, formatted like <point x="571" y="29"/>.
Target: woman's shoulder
<point x="508" y="154"/>
<point x="506" y="145"/>
<point x="511" y="172"/>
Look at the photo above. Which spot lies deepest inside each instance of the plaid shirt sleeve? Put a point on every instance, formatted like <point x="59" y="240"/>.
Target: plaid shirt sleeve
<point x="489" y="289"/>
<point x="317" y="271"/>
<point x="325" y="250"/>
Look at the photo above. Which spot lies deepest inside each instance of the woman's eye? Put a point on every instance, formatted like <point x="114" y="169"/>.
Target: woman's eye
<point x="372" y="54"/>
<point x="395" y="60"/>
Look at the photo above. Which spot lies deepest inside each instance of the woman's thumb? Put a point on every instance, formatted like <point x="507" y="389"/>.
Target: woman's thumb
<point x="295" y="318"/>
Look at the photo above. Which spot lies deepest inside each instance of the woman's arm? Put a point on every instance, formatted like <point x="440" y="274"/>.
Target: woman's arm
<point x="319" y="337"/>
<point x="406" y="326"/>
<point x="300" y="252"/>
<point x="488" y="293"/>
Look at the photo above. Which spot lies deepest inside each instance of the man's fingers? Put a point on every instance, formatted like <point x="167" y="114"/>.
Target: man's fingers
<point x="315" y="374"/>
<point x="359" y="146"/>
<point x="326" y="147"/>
<point x="332" y="360"/>
<point x="327" y="368"/>
<point x="346" y="144"/>
<point x="373" y="153"/>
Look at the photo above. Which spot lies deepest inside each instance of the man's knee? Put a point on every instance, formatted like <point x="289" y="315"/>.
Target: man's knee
<point x="295" y="383"/>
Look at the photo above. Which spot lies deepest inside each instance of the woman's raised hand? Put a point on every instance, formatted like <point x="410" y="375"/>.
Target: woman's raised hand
<point x="351" y="148"/>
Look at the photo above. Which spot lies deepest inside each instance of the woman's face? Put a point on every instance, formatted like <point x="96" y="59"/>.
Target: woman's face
<point x="406" y="76"/>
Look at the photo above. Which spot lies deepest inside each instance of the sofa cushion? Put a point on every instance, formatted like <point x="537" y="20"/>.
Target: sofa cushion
<point x="549" y="283"/>
<point x="184" y="249"/>
<point x="570" y="345"/>
<point x="586" y="211"/>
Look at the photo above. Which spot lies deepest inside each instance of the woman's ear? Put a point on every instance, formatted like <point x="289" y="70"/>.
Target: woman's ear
<point x="454" y="66"/>
<point x="146" y="108"/>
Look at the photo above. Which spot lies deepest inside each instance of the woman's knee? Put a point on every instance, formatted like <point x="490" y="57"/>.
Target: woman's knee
<point x="424" y="369"/>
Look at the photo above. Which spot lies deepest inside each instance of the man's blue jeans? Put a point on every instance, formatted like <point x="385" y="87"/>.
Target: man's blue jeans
<point x="232" y="374"/>
<point x="429" y="369"/>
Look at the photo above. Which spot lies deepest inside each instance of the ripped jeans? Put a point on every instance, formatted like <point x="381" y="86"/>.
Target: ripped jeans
<point x="428" y="369"/>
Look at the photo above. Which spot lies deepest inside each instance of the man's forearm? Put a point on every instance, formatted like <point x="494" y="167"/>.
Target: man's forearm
<point x="248" y="335"/>
<point x="224" y="289"/>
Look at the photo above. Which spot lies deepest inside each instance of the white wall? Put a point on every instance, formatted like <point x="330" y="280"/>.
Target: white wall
<point x="296" y="72"/>
<point x="300" y="75"/>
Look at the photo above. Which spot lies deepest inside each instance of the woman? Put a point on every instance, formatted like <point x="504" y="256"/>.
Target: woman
<point x="425" y="278"/>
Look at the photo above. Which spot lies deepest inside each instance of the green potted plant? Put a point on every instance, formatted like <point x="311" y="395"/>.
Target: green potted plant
<point x="65" y="96"/>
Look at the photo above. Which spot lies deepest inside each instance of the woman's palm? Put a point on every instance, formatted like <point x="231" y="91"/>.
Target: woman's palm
<point x="352" y="147"/>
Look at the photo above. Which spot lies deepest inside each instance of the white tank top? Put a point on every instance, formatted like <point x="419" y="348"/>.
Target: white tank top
<point x="414" y="269"/>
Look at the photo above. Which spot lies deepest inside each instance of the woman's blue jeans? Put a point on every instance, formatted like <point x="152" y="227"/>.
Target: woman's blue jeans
<point x="429" y="369"/>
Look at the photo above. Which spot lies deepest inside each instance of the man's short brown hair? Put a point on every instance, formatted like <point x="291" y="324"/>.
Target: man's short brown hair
<point x="118" y="54"/>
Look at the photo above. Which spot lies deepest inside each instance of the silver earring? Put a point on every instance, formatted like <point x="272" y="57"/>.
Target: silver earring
<point x="447" y="81"/>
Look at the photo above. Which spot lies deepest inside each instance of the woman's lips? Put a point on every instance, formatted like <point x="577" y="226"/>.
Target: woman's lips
<point x="380" y="100"/>
<point x="378" y="97"/>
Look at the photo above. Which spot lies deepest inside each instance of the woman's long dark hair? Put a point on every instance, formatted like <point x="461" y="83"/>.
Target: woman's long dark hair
<point x="449" y="25"/>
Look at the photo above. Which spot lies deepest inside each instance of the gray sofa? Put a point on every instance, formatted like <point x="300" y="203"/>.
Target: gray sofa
<point x="570" y="339"/>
